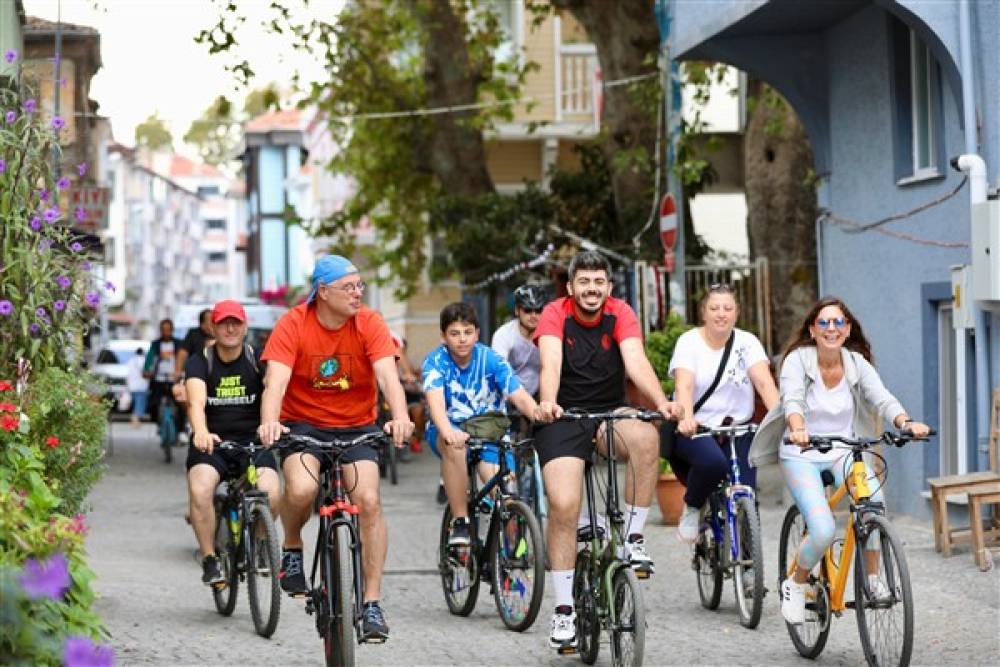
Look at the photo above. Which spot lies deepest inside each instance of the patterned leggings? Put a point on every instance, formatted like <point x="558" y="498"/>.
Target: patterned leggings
<point x="806" y="484"/>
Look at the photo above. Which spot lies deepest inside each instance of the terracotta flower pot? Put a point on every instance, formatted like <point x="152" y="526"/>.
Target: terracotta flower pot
<point x="670" y="497"/>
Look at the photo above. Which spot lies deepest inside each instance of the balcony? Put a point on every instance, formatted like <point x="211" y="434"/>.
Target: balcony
<point x="577" y="90"/>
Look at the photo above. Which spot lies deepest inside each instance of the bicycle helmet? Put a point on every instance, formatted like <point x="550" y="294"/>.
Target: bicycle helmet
<point x="531" y="297"/>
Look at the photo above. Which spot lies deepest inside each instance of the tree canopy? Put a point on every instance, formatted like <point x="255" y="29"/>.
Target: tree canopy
<point x="153" y="133"/>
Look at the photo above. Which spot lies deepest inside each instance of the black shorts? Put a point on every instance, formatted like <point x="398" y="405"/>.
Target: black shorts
<point x="569" y="438"/>
<point x="229" y="464"/>
<point x="352" y="455"/>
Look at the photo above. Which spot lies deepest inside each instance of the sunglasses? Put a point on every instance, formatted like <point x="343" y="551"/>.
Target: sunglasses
<point x="532" y="311"/>
<point x="838" y="322"/>
<point x="721" y="288"/>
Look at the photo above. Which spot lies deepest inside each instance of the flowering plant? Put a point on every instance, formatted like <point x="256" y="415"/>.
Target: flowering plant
<point x="47" y="294"/>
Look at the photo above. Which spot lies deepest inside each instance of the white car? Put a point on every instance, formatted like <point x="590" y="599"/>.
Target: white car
<point x="111" y="366"/>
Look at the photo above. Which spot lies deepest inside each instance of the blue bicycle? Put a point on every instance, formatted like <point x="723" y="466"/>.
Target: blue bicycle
<point x="729" y="541"/>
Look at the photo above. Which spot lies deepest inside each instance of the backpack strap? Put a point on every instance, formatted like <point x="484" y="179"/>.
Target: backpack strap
<point x="248" y="351"/>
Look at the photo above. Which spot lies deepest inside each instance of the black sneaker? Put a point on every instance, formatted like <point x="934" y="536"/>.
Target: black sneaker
<point x="374" y="629"/>
<point x="460" y="535"/>
<point x="442" y="496"/>
<point x="293" y="579"/>
<point x="211" y="573"/>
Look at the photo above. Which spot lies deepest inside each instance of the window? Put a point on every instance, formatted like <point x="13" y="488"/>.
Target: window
<point x="916" y="108"/>
<point x="216" y="223"/>
<point x="509" y="14"/>
<point x="217" y="258"/>
<point x="208" y="190"/>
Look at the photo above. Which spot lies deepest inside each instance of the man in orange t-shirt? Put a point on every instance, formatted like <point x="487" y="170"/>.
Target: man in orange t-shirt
<point x="324" y="359"/>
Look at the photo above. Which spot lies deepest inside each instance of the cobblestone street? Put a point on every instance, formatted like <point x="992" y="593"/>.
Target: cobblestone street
<point x="159" y="613"/>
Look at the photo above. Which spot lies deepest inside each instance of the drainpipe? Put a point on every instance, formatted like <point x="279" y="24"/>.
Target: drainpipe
<point x="973" y="165"/>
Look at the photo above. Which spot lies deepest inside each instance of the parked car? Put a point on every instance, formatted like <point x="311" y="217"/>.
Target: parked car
<point x="261" y="319"/>
<point x="111" y="366"/>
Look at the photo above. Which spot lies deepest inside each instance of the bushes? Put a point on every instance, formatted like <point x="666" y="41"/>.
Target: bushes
<point x="660" y="347"/>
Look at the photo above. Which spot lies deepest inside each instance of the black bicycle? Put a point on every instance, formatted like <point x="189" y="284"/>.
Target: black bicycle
<point x="606" y="590"/>
<point x="512" y="557"/>
<point x="337" y="595"/>
<point x="246" y="544"/>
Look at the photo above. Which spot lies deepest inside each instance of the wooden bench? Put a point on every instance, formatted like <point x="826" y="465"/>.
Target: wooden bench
<point x="967" y="487"/>
<point x="984" y="540"/>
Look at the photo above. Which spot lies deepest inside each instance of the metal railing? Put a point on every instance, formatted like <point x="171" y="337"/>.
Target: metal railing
<point x="752" y="285"/>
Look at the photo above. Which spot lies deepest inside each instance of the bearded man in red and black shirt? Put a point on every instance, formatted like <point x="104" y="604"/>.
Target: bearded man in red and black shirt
<point x="589" y="343"/>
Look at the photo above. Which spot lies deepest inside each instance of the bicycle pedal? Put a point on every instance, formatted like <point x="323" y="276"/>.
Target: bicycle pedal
<point x="219" y="585"/>
<point x="566" y="650"/>
<point x="641" y="574"/>
<point x="374" y="640"/>
<point x="298" y="595"/>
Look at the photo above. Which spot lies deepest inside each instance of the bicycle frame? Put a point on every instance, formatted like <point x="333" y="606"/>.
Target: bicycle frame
<point x="732" y="489"/>
<point x="243" y="493"/>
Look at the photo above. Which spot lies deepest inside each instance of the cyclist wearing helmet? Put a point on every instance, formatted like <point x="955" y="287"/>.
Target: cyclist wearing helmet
<point x="513" y="341"/>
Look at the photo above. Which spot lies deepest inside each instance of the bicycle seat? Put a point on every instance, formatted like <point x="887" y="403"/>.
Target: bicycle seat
<point x="828" y="478"/>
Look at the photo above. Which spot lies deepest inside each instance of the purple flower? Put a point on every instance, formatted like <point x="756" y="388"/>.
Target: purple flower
<point x="10" y="56"/>
<point x="80" y="213"/>
<point x="43" y="194"/>
<point x="110" y="286"/>
<point x="35" y="223"/>
<point x="45" y="579"/>
<point x="30" y="106"/>
<point x="85" y="266"/>
<point x="10" y="117"/>
<point x="81" y="652"/>
<point x="40" y="312"/>
<point x="35" y="330"/>
<point x="3" y="166"/>
<point x="81" y="168"/>
<point x="64" y="282"/>
<point x="59" y="305"/>
<point x="75" y="246"/>
<point x="62" y="183"/>
<point x="92" y="299"/>
<point x="51" y="214"/>
<point x="6" y="308"/>
<point x="58" y="123"/>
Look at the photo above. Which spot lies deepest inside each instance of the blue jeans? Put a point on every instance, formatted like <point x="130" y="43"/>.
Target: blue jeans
<point x="139" y="403"/>
<point x="701" y="463"/>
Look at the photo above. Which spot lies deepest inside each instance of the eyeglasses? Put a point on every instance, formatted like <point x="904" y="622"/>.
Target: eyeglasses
<point x="721" y="288"/>
<point x="838" y="322"/>
<point x="358" y="287"/>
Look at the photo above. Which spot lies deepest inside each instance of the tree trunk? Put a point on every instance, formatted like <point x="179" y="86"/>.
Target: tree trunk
<point x="781" y="206"/>
<point x="625" y="34"/>
<point x="457" y="154"/>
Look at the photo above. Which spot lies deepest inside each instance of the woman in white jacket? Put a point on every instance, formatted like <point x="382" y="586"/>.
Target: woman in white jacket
<point x="828" y="387"/>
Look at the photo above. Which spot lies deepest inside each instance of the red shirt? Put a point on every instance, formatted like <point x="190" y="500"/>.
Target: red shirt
<point x="593" y="372"/>
<point x="333" y="384"/>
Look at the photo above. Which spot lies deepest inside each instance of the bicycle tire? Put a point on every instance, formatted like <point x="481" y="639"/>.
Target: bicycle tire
<point x="810" y="637"/>
<point x="343" y="596"/>
<point x="629" y="612"/>
<point x="588" y="625"/>
<point x="325" y="600"/>
<point x="457" y="578"/>
<point x="528" y="546"/>
<point x="707" y="567"/>
<point x="263" y="567"/>
<point x="226" y="551"/>
<point x="895" y="576"/>
<point x="751" y="551"/>
<point x="393" y="455"/>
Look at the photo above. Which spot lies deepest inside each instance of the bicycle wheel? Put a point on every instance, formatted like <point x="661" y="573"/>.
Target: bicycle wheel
<point x="883" y="601"/>
<point x="809" y="637"/>
<point x="226" y="552"/>
<point x="628" y="629"/>
<point x="518" y="565"/>
<point x="338" y="599"/>
<point x="748" y="573"/>
<point x="459" y="571"/>
<point x="393" y="455"/>
<point x="707" y="567"/>
<point x="263" y="566"/>
<point x="588" y="626"/>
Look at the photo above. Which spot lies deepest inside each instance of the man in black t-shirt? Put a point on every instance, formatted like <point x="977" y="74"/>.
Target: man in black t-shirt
<point x="224" y="385"/>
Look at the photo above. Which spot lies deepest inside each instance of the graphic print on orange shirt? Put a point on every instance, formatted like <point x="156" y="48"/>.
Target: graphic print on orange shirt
<point x="331" y="372"/>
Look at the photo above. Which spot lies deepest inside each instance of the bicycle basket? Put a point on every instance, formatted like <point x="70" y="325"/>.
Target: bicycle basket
<point x="489" y="426"/>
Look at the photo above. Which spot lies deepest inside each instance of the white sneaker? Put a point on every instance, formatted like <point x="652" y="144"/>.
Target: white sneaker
<point x="793" y="601"/>
<point x="634" y="553"/>
<point x="563" y="633"/>
<point x="687" y="529"/>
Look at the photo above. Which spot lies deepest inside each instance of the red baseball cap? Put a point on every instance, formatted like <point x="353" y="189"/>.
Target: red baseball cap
<point x="228" y="308"/>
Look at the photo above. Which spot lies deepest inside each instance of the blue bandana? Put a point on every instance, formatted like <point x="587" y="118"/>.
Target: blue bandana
<point x="330" y="268"/>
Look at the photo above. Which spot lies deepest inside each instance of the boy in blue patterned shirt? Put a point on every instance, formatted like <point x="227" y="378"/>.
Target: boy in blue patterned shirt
<point x="464" y="378"/>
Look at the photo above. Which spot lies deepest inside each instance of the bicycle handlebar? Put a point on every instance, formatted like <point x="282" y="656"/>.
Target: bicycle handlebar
<point x="825" y="443"/>
<point x="336" y="443"/>
<point x="251" y="447"/>
<point x="574" y="414"/>
<point x="732" y="430"/>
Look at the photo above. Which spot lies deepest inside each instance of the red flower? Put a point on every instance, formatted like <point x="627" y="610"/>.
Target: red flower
<point x="5" y="386"/>
<point x="52" y="441"/>
<point x="8" y="407"/>
<point x="9" y="422"/>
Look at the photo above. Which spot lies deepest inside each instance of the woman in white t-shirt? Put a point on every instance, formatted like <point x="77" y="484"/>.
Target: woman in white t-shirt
<point x="699" y="462"/>
<point x="828" y="387"/>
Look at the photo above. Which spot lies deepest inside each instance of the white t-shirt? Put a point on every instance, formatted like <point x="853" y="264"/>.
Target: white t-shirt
<point x="520" y="353"/>
<point x="733" y="397"/>
<point x="135" y="380"/>
<point x="828" y="412"/>
<point x="165" y="365"/>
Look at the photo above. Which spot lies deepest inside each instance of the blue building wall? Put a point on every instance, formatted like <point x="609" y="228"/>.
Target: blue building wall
<point x="832" y="61"/>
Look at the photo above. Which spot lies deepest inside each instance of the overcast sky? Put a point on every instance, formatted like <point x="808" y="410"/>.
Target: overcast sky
<point x="151" y="62"/>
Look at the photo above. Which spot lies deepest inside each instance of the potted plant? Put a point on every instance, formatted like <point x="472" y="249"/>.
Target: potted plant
<point x="669" y="494"/>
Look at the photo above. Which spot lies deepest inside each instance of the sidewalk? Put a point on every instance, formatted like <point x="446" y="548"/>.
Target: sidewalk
<point x="159" y="613"/>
